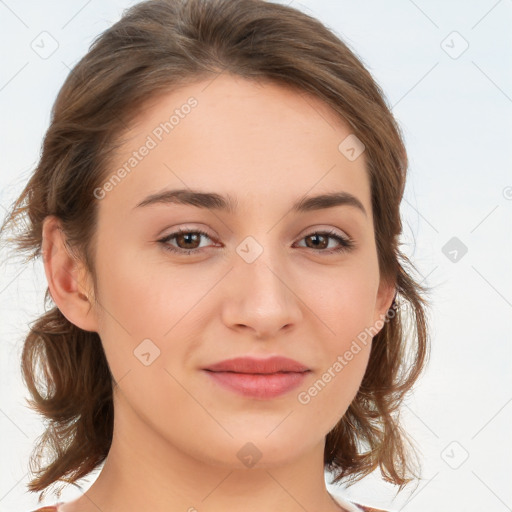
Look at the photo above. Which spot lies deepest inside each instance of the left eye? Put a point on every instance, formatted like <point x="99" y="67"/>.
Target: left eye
<point x="189" y="237"/>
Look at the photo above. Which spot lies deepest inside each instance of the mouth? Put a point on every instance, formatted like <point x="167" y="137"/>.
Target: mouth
<point x="262" y="386"/>
<point x="250" y="364"/>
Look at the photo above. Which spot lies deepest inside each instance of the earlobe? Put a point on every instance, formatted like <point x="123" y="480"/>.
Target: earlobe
<point x="66" y="276"/>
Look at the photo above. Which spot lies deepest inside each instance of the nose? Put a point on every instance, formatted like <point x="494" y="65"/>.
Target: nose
<point x="260" y="297"/>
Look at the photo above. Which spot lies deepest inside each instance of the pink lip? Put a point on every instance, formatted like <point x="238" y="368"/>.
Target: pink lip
<point x="257" y="385"/>
<point x="258" y="378"/>
<point x="253" y="365"/>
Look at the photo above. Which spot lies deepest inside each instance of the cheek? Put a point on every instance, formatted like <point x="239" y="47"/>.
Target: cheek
<point x="142" y="316"/>
<point x="344" y="301"/>
<point x="145" y="307"/>
<point x="145" y="298"/>
<point x="331" y="390"/>
<point x="342" y="304"/>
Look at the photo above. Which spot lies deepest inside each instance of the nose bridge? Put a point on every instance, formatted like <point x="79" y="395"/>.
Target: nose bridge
<point x="261" y="296"/>
<point x="259" y="264"/>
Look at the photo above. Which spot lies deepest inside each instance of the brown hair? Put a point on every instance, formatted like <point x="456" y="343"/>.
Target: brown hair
<point x="157" y="46"/>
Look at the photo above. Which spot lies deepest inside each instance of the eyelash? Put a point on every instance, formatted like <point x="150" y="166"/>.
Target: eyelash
<point x="346" y="244"/>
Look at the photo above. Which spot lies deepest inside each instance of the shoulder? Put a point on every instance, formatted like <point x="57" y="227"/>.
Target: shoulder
<point x="363" y="508"/>
<point x="353" y="506"/>
<point x="369" y="509"/>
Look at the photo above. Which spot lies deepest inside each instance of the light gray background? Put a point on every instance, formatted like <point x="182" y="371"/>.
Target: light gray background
<point x="455" y="109"/>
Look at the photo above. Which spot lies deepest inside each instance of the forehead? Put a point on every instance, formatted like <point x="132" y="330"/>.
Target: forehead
<point x="254" y="139"/>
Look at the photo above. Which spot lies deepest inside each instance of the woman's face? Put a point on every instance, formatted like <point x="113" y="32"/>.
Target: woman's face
<point x="265" y="280"/>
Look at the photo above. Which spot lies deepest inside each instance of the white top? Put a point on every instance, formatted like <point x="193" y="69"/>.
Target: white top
<point x="350" y="507"/>
<point x="347" y="505"/>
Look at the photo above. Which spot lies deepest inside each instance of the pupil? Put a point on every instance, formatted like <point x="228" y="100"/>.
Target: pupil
<point x="317" y="237"/>
<point x="188" y="238"/>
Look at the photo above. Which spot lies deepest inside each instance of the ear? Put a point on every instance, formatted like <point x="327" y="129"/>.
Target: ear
<point x="68" y="281"/>
<point x="385" y="295"/>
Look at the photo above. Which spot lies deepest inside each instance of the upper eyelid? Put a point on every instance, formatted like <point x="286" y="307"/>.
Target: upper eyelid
<point x="304" y="232"/>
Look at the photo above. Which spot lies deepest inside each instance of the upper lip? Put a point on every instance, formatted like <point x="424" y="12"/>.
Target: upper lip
<point x="253" y="365"/>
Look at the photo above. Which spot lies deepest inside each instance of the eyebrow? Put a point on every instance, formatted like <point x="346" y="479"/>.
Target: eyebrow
<point x="214" y="201"/>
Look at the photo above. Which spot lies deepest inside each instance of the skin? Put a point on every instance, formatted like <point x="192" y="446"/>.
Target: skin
<point x="177" y="433"/>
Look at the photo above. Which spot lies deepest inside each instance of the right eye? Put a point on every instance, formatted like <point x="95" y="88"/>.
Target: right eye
<point x="184" y="236"/>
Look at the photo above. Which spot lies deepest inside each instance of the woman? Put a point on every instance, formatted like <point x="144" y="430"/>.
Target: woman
<point x="217" y="207"/>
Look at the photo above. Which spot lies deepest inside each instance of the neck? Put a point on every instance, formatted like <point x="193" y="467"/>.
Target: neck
<point x="145" y="471"/>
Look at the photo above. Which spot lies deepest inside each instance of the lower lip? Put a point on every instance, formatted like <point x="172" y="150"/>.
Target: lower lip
<point x="262" y="386"/>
